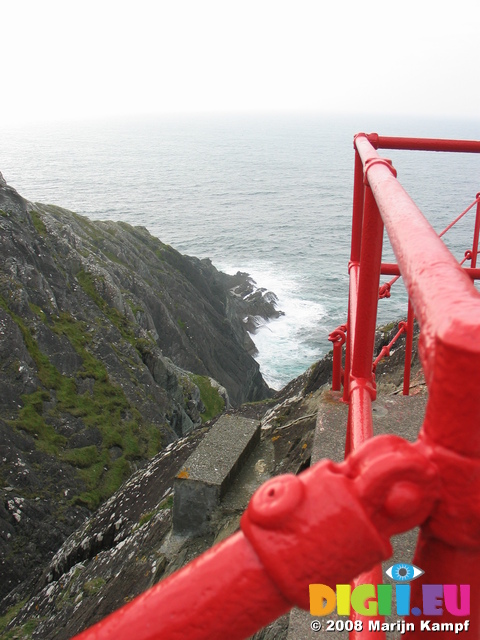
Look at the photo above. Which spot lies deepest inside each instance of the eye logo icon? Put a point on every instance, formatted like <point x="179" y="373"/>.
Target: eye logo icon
<point x="403" y="572"/>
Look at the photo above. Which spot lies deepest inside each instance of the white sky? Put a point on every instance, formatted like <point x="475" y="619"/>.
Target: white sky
<point x="70" y="59"/>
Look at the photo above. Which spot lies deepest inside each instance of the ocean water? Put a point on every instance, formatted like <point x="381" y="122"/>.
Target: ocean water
<point x="266" y="194"/>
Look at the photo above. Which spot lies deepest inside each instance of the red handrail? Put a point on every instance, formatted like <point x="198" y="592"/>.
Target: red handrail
<point x="422" y="144"/>
<point x="385" y="290"/>
<point x="448" y="310"/>
<point x="332" y="523"/>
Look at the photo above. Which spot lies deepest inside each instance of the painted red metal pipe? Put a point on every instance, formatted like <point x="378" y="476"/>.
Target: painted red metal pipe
<point x="355" y="248"/>
<point x="423" y="144"/>
<point x="362" y="388"/>
<point x="474" y="274"/>
<point x="391" y="269"/>
<point x="375" y="577"/>
<point x="364" y="314"/>
<point x="476" y="234"/>
<point x="225" y="593"/>
<point x="354" y="273"/>
<point x="407" y="368"/>
<point x="448" y="310"/>
<point x="459" y="217"/>
<point x="357" y="212"/>
<point x="338" y="339"/>
<point x="337" y="366"/>
<point x="385" y="351"/>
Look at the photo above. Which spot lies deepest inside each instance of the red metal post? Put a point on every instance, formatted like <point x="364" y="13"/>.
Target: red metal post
<point x="353" y="274"/>
<point x="357" y="213"/>
<point x="448" y="310"/>
<point x="362" y="388"/>
<point x="355" y="249"/>
<point x="476" y="234"/>
<point x="408" y="350"/>
<point x="337" y="366"/>
<point x="338" y="338"/>
<point x="366" y="278"/>
<point x="370" y="263"/>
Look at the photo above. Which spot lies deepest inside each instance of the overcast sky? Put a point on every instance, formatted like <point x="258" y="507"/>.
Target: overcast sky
<point x="70" y="59"/>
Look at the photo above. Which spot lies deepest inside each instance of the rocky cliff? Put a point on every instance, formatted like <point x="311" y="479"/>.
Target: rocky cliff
<point x="112" y="346"/>
<point x="128" y="544"/>
<point x="101" y="328"/>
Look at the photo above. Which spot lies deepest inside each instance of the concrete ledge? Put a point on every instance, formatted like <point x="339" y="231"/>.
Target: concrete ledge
<point x="331" y="428"/>
<point x="210" y="470"/>
<point x="395" y="414"/>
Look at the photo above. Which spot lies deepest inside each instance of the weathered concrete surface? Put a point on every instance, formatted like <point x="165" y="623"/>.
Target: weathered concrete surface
<point x="393" y="414"/>
<point x="210" y="470"/>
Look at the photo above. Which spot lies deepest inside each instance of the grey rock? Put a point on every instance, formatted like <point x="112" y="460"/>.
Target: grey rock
<point x="128" y="544"/>
<point x="101" y="327"/>
<point x="115" y="555"/>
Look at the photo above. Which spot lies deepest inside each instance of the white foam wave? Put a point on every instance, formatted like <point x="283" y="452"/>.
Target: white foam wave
<point x="288" y="345"/>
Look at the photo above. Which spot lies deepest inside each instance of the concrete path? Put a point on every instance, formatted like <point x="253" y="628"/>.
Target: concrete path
<point x="392" y="414"/>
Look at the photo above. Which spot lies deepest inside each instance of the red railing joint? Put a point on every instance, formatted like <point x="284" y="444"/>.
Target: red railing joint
<point x="384" y="290"/>
<point x="370" y="162"/>
<point x="455" y="518"/>
<point x="338" y="335"/>
<point x="353" y="263"/>
<point x="385" y="487"/>
<point x="364" y="384"/>
<point x="373" y="138"/>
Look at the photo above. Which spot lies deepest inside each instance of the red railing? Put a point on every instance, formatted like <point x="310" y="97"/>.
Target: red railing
<point x="338" y="336"/>
<point x="332" y="523"/>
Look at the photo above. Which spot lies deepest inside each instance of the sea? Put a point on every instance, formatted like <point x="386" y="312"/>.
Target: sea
<point x="269" y="194"/>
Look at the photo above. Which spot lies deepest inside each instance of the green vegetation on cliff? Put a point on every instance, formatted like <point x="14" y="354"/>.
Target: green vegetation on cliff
<point x="212" y="400"/>
<point x="103" y="406"/>
<point x="108" y="342"/>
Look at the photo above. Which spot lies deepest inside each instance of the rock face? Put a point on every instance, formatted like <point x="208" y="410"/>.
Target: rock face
<point x="128" y="544"/>
<point x="117" y="553"/>
<point x="112" y="345"/>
